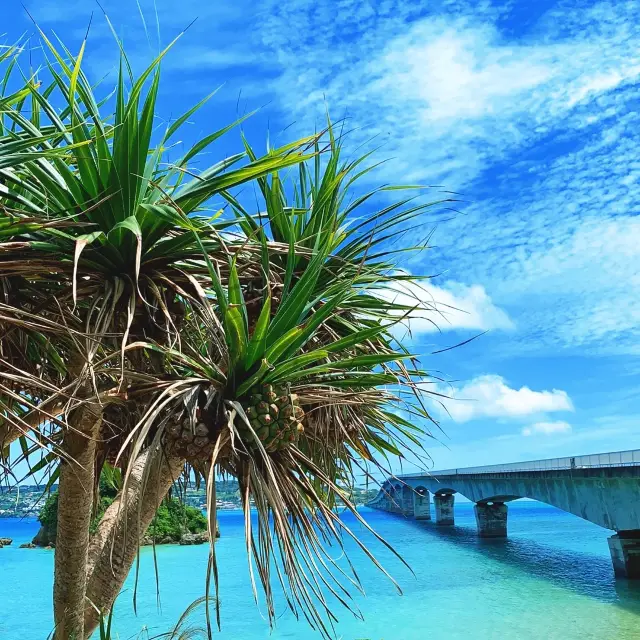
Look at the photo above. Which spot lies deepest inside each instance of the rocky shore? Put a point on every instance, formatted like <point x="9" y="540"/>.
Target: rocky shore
<point x="186" y="539"/>
<point x="45" y="539"/>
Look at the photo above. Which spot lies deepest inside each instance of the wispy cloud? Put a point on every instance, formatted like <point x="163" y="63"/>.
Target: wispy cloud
<point x="219" y="40"/>
<point x="449" y="91"/>
<point x="490" y="396"/>
<point x="537" y="128"/>
<point x="547" y="428"/>
<point x="616" y="434"/>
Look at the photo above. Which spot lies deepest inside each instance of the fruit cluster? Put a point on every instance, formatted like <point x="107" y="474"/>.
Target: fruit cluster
<point x="275" y="416"/>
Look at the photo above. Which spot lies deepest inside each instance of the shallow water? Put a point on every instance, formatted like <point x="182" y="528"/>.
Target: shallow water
<point x="551" y="579"/>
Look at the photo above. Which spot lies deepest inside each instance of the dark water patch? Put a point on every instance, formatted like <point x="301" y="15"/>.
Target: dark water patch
<point x="582" y="572"/>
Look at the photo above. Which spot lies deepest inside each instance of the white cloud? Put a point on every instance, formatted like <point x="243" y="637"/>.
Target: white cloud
<point x="454" y="70"/>
<point x="489" y="396"/>
<point x="453" y="306"/>
<point x="547" y="428"/>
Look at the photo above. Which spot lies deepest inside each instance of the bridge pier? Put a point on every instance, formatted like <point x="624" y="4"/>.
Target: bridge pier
<point x="491" y="518"/>
<point x="392" y="501"/>
<point x="406" y="501"/>
<point x="421" y="504"/>
<point x="444" y="509"/>
<point x="625" y="554"/>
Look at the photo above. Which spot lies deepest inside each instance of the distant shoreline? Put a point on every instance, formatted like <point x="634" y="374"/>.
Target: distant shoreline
<point x="26" y="501"/>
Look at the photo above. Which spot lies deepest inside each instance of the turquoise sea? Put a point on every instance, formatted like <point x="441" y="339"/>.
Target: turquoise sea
<point x="551" y="579"/>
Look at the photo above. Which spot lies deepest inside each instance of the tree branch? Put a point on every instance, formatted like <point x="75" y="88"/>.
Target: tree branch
<point x="11" y="430"/>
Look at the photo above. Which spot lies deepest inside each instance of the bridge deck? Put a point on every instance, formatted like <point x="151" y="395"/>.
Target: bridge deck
<point x="629" y="458"/>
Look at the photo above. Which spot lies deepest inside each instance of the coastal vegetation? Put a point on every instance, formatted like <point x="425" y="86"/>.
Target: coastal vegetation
<point x="172" y="522"/>
<point x="157" y="320"/>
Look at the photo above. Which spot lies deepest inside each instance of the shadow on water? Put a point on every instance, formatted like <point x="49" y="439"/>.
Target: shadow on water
<point x="581" y="572"/>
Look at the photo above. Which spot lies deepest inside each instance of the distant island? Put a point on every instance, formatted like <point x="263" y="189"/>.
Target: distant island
<point x="174" y="522"/>
<point x="28" y="500"/>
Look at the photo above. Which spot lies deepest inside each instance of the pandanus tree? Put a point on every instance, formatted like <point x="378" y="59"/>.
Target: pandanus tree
<point x="152" y="319"/>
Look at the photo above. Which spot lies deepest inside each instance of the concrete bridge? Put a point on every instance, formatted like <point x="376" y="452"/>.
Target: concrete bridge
<point x="602" y="488"/>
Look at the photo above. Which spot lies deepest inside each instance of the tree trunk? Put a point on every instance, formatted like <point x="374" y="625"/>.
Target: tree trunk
<point x="74" y="518"/>
<point x="115" y="545"/>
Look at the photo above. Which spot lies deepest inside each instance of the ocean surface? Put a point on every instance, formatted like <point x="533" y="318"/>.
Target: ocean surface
<point x="552" y="579"/>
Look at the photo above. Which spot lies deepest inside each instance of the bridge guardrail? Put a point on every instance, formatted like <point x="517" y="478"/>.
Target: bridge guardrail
<point x="629" y="458"/>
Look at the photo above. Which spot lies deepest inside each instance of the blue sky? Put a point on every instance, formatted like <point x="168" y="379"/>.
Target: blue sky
<point x="528" y="110"/>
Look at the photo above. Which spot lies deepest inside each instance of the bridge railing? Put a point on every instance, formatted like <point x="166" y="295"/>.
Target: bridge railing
<point x="629" y="458"/>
